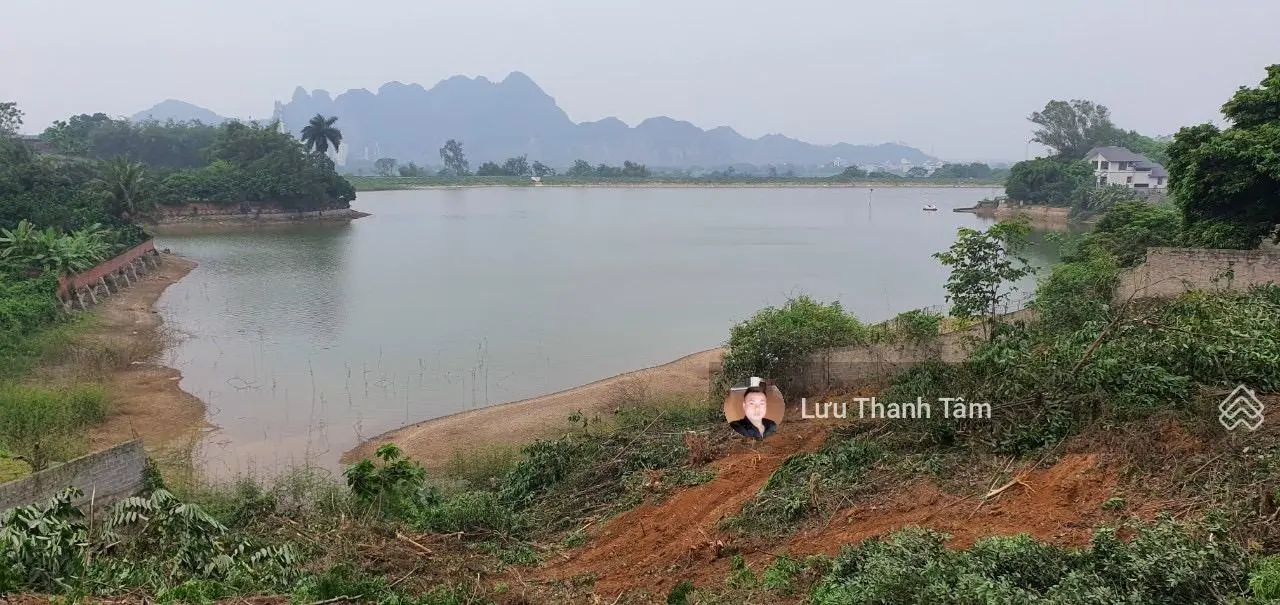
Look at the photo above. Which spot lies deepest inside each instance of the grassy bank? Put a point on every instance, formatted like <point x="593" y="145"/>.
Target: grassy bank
<point x="39" y="424"/>
<point x="380" y="183"/>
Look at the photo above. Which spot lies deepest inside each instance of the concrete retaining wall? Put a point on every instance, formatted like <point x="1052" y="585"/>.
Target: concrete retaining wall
<point x="93" y="276"/>
<point x="264" y="217"/>
<point x="1172" y="271"/>
<point x="105" y="477"/>
<point x="167" y="213"/>
<point x="85" y="288"/>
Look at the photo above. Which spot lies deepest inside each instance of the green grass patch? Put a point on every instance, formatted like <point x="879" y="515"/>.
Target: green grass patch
<point x="807" y="484"/>
<point x="42" y="425"/>
<point x="1164" y="562"/>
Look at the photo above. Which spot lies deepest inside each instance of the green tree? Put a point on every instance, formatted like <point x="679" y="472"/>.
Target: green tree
<point x="490" y="169"/>
<point x="125" y="185"/>
<point x="984" y="265"/>
<point x="385" y="166"/>
<point x="540" y="170"/>
<point x="412" y="169"/>
<point x="319" y="133"/>
<point x="633" y="170"/>
<point x="455" y="161"/>
<point x="1102" y="198"/>
<point x="1156" y="150"/>
<point x="778" y="341"/>
<point x="848" y="174"/>
<point x="581" y="169"/>
<point x="517" y="166"/>
<point x="1228" y="180"/>
<point x="974" y="170"/>
<point x="918" y="172"/>
<point x="1072" y="128"/>
<point x="1050" y="181"/>
<point x="1130" y="226"/>
<point x="10" y="118"/>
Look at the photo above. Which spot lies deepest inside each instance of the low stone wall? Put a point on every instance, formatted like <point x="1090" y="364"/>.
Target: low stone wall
<point x="109" y="277"/>
<point x="95" y="275"/>
<point x="266" y="216"/>
<point x="105" y="477"/>
<point x="1172" y="271"/>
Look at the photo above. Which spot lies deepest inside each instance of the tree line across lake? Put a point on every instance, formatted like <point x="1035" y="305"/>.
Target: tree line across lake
<point x="455" y="165"/>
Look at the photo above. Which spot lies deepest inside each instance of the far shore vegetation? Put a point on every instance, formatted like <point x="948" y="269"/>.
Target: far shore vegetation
<point x="1186" y="514"/>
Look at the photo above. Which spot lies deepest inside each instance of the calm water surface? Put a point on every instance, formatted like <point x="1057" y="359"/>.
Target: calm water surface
<point x="305" y="341"/>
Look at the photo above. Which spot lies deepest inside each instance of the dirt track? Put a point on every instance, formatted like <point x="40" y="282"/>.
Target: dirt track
<point x="435" y="442"/>
<point x="655" y="546"/>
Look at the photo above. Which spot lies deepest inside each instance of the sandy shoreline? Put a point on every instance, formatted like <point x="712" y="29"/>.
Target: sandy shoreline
<point x="121" y="350"/>
<point x="435" y="442"/>
<point x="1045" y="218"/>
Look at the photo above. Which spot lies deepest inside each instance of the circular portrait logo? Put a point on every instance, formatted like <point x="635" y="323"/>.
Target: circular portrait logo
<point x="754" y="409"/>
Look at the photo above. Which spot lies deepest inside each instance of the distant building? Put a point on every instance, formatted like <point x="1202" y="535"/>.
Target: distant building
<point x="1119" y="166"/>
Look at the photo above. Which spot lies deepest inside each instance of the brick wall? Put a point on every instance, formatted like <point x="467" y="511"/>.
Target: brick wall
<point x="106" y="476"/>
<point x="1172" y="271"/>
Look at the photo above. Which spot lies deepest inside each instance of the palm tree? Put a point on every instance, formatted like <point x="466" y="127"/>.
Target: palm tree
<point x="319" y="133"/>
<point x="125" y="184"/>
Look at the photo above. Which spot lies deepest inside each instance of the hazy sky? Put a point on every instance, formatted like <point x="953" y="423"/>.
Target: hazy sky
<point x="956" y="79"/>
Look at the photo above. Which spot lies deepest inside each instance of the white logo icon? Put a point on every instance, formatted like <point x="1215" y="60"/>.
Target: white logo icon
<point x="1241" y="408"/>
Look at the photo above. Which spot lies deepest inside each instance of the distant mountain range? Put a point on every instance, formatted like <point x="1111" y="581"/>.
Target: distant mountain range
<point x="181" y="111"/>
<point x="497" y="120"/>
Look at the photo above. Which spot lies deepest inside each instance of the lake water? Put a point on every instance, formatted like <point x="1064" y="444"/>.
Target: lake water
<point x="307" y="340"/>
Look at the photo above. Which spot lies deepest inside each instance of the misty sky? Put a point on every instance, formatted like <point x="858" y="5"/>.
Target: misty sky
<point x="956" y="79"/>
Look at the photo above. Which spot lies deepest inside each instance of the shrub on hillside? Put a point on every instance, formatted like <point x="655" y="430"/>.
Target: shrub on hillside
<point x="777" y="341"/>
<point x="1165" y="562"/>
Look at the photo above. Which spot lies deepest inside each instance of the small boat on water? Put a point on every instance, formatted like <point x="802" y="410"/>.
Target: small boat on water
<point x="930" y="208"/>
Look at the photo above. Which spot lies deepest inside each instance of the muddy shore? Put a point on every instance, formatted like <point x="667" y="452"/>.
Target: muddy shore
<point x="121" y="349"/>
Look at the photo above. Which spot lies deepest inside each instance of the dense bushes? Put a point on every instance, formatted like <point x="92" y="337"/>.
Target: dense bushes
<point x="1086" y="358"/>
<point x="189" y="162"/>
<point x="1164" y="562"/>
<point x="1050" y="181"/>
<point x="805" y="484"/>
<point x="251" y="163"/>
<point x="777" y="341"/>
<point x="549" y="483"/>
<point x="157" y="542"/>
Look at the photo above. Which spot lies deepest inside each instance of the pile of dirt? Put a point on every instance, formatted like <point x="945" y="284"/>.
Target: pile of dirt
<point x="656" y="545"/>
